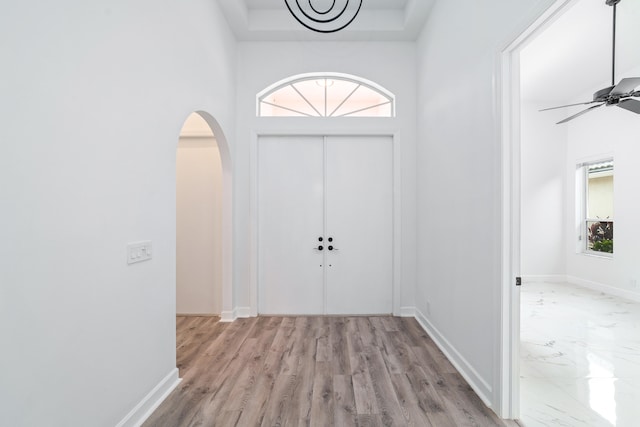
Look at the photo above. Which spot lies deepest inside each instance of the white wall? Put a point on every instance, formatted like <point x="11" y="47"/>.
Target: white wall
<point x="459" y="158"/>
<point x="602" y="133"/>
<point x="391" y="65"/>
<point x="543" y="191"/>
<point x="199" y="222"/>
<point x="93" y="96"/>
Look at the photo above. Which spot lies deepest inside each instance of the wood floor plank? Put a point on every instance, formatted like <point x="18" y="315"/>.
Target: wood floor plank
<point x="299" y="411"/>
<point x="464" y="406"/>
<point x="253" y="414"/>
<point x="385" y="395"/>
<point x="323" y="352"/>
<point x="364" y="394"/>
<point x="443" y="364"/>
<point x="355" y="347"/>
<point x="280" y="345"/>
<point x="413" y="329"/>
<point x="279" y="401"/>
<point x="391" y="324"/>
<point x="237" y="384"/>
<point x="427" y="397"/>
<point x="180" y="320"/>
<point x="411" y="410"/>
<point x="316" y="371"/>
<point x="258" y="344"/>
<point x="189" y="327"/>
<point x="322" y="402"/>
<point x="222" y="419"/>
<point x="366" y="331"/>
<point x="191" y="348"/>
<point x="395" y="354"/>
<point x="345" y="404"/>
<point x="303" y="351"/>
<point x="370" y="421"/>
<point x="293" y="350"/>
<point x="339" y="349"/>
<point x="203" y="382"/>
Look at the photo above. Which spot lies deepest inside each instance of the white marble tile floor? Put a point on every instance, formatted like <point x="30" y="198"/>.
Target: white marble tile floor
<point x="580" y="357"/>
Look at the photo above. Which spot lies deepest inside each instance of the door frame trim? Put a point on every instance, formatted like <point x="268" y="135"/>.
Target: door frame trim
<point x="254" y="214"/>
<point x="507" y="120"/>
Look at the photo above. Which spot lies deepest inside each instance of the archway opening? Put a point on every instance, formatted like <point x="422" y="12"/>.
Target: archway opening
<point x="203" y="239"/>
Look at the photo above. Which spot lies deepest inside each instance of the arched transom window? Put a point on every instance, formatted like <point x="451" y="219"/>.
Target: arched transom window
<point x="325" y="95"/>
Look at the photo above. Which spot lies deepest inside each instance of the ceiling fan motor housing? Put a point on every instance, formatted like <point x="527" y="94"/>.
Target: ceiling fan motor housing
<point x="603" y="94"/>
<point x="612" y="2"/>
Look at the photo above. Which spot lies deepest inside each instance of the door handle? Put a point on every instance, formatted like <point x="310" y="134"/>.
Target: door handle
<point x="319" y="248"/>
<point x="331" y="248"/>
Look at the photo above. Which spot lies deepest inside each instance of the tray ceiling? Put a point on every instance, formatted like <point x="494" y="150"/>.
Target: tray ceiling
<point x="378" y="20"/>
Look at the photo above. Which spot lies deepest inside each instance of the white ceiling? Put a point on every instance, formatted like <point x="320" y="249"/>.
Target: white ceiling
<point x="278" y="4"/>
<point x="378" y="20"/>
<point x="571" y="58"/>
<point x="568" y="60"/>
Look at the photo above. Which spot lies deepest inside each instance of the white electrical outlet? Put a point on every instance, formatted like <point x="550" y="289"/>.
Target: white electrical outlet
<point x="633" y="284"/>
<point x="139" y="251"/>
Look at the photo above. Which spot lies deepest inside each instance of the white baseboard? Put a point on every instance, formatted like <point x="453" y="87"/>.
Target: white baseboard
<point x="609" y="290"/>
<point x="243" y="312"/>
<point x="197" y="315"/>
<point x="228" y="316"/>
<point x="531" y="278"/>
<point x="151" y="401"/>
<point x="407" y="312"/>
<point x="479" y="385"/>
<point x="236" y="313"/>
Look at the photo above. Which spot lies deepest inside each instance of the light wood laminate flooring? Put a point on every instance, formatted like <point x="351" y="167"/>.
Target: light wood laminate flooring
<point x="315" y="371"/>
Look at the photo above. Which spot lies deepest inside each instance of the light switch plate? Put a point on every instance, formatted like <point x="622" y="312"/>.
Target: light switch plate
<point x="139" y="251"/>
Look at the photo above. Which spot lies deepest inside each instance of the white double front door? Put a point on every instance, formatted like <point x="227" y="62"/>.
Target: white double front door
<point x="325" y="229"/>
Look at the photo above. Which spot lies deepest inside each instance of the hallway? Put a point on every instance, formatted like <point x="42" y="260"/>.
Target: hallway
<point x="342" y="371"/>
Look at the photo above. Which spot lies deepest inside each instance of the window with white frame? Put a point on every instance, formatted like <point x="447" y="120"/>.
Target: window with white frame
<point x="325" y="95"/>
<point x="597" y="206"/>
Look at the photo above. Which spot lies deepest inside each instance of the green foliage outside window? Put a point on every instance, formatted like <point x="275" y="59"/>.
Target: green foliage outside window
<point x="601" y="236"/>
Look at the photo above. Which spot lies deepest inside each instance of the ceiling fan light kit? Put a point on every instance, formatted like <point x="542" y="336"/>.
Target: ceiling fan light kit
<point x="615" y="95"/>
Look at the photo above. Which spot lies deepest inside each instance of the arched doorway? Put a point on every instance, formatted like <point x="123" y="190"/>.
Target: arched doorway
<point x="203" y="217"/>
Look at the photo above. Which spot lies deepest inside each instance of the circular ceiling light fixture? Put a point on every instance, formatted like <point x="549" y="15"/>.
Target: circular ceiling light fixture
<point x="324" y="16"/>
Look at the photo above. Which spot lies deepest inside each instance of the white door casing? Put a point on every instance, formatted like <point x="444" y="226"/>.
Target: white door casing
<point x="338" y="188"/>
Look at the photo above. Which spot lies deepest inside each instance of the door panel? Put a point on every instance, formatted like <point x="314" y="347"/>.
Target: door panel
<point x="359" y="217"/>
<point x="329" y="187"/>
<point x="290" y="203"/>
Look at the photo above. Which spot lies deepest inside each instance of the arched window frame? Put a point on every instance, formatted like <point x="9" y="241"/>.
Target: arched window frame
<point x="389" y="96"/>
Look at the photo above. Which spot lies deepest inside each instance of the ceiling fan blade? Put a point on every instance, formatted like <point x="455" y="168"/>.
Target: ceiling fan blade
<point x="579" y="114"/>
<point x="631" y="105"/>
<point x="570" y="105"/>
<point x="626" y="86"/>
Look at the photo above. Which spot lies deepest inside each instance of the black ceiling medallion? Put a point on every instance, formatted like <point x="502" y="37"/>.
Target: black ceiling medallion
<point x="324" y="16"/>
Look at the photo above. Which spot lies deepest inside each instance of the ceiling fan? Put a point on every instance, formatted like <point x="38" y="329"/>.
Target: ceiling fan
<point x="615" y="95"/>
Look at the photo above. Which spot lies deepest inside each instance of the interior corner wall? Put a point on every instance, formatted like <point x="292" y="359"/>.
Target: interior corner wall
<point x="94" y="95"/>
<point x="198" y="227"/>
<point x="459" y="260"/>
<point x="390" y="64"/>
<point x="543" y="148"/>
<point x="602" y="133"/>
